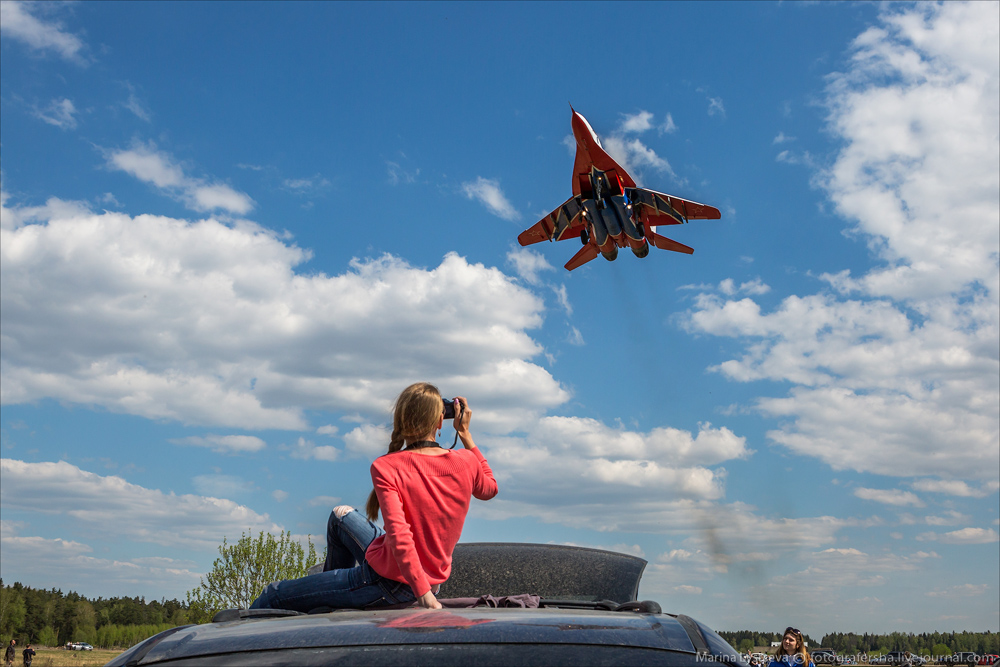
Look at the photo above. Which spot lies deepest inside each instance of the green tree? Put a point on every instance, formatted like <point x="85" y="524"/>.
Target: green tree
<point x="243" y="570"/>
<point x="48" y="637"/>
<point x="12" y="611"/>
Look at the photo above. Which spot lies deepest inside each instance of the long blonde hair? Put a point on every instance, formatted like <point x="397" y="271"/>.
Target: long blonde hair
<point x="800" y="646"/>
<point x="415" y="414"/>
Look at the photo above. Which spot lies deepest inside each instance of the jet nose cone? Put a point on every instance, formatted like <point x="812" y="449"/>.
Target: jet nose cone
<point x="581" y="128"/>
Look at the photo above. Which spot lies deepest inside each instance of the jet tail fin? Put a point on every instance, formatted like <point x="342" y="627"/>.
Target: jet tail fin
<point x="585" y="254"/>
<point x="663" y="243"/>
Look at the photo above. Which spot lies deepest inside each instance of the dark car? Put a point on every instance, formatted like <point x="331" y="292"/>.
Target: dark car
<point x="587" y="614"/>
<point x="826" y="656"/>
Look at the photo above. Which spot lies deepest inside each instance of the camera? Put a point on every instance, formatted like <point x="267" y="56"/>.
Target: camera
<point x="449" y="408"/>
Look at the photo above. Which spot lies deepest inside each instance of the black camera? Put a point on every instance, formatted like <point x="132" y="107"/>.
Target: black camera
<point x="449" y="408"/>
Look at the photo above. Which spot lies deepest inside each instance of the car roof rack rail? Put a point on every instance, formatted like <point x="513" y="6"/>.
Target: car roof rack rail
<point x="227" y="615"/>
<point x="639" y="606"/>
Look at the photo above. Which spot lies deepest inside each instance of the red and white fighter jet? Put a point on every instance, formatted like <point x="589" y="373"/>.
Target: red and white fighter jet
<point x="608" y="211"/>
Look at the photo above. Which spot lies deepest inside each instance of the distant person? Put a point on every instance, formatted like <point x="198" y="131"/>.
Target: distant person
<point x="792" y="651"/>
<point x="423" y="492"/>
<point x="27" y="655"/>
<point x="907" y="660"/>
<point x="10" y="653"/>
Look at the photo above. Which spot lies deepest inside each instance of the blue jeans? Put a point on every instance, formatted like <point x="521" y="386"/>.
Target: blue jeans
<point x="347" y="580"/>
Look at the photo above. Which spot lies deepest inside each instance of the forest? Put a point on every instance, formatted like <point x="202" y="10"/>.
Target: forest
<point x="52" y="618"/>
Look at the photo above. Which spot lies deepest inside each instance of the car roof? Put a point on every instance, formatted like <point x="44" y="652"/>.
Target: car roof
<point x="313" y="634"/>
<point x="588" y="614"/>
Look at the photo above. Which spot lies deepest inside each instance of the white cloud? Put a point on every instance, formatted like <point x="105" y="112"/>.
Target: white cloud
<point x="569" y="141"/>
<point x="110" y="506"/>
<point x="328" y="429"/>
<point x="569" y="470"/>
<point x="954" y="487"/>
<point x="831" y="571"/>
<point x="398" y="174"/>
<point x="368" y="440"/>
<point x="902" y="358"/>
<point x="959" y="592"/>
<point x="970" y="536"/>
<point x="135" y="105"/>
<point x="306" y="186"/>
<point x="219" y="196"/>
<point x="782" y="138"/>
<point x="639" y="122"/>
<point x="889" y="497"/>
<point x="962" y="536"/>
<point x="487" y="191"/>
<point x="54" y="208"/>
<point x="528" y="264"/>
<point x="575" y="337"/>
<point x="919" y="111"/>
<point x="148" y="164"/>
<point x="59" y="113"/>
<point x="563" y="298"/>
<point x="948" y="518"/>
<point x="715" y="107"/>
<point x="685" y="589"/>
<point x="224" y="444"/>
<point x="755" y="287"/>
<point x="18" y="21"/>
<point x="221" y="486"/>
<point x="279" y="495"/>
<point x="210" y="324"/>
<point x="70" y="566"/>
<point x="145" y="162"/>
<point x="307" y="449"/>
<point x="324" y="501"/>
<point x="668" y="126"/>
<point x="633" y="156"/>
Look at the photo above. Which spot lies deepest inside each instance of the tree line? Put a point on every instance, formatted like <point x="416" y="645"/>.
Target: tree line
<point x="52" y="618"/>
<point x="850" y="643"/>
<point x="924" y="643"/>
<point x="745" y="640"/>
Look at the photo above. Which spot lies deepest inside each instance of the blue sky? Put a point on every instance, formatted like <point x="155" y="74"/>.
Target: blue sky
<point x="232" y="233"/>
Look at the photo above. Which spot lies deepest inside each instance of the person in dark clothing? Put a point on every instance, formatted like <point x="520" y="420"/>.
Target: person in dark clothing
<point x="10" y="653"/>
<point x="28" y="654"/>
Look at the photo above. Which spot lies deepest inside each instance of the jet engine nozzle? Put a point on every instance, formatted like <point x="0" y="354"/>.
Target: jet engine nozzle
<point x="641" y="252"/>
<point x="611" y="255"/>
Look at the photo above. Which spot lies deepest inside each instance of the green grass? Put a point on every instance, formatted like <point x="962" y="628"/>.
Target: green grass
<point x="60" y="657"/>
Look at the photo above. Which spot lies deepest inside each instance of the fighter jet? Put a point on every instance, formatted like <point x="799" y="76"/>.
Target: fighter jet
<point x="608" y="211"/>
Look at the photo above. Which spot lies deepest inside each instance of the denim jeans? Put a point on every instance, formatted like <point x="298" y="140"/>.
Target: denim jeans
<point x="347" y="580"/>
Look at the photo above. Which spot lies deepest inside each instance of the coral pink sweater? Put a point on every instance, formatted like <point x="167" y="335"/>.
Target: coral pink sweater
<point x="424" y="500"/>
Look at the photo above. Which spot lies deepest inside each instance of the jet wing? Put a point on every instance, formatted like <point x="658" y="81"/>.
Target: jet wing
<point x="582" y="256"/>
<point x="566" y="222"/>
<point x="658" y="208"/>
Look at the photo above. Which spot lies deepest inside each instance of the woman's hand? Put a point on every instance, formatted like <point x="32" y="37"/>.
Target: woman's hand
<point x="428" y="601"/>
<point x="463" y="417"/>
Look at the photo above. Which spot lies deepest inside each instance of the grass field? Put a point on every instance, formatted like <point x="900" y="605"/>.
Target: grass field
<point x="59" y="657"/>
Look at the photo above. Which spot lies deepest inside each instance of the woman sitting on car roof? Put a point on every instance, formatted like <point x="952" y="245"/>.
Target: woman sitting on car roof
<point x="792" y="652"/>
<point x="423" y="492"/>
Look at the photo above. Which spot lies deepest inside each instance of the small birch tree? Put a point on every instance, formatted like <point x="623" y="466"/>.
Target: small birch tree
<point x="239" y="576"/>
